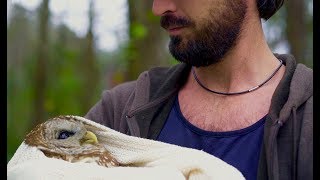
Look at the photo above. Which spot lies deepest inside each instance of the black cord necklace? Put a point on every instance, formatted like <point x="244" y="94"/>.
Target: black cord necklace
<point x="237" y="93"/>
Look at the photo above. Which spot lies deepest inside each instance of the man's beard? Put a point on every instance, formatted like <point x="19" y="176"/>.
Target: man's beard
<point x="209" y="43"/>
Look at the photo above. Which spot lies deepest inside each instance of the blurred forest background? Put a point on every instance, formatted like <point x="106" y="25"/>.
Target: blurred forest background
<point x="51" y="70"/>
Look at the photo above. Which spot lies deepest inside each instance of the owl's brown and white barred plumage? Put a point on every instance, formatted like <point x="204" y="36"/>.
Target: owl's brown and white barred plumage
<point x="81" y="146"/>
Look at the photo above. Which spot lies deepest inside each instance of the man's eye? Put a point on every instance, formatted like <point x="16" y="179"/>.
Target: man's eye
<point x="65" y="134"/>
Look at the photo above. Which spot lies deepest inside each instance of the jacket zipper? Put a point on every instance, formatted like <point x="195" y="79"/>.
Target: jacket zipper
<point x="274" y="140"/>
<point x="294" y="168"/>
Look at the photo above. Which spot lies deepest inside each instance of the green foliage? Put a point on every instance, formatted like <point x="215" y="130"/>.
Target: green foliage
<point x="276" y="27"/>
<point x="173" y="61"/>
<point x="152" y="18"/>
<point x="19" y="88"/>
<point x="65" y="85"/>
<point x="138" y="31"/>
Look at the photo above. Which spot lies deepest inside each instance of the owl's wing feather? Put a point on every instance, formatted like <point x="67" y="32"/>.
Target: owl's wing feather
<point x="57" y="169"/>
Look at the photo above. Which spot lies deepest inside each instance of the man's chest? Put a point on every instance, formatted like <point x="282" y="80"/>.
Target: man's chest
<point x="240" y="148"/>
<point x="224" y="114"/>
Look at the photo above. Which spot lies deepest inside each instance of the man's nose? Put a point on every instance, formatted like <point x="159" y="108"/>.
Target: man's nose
<point x="161" y="7"/>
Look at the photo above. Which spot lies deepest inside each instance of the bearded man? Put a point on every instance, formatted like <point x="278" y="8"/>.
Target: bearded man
<point x="230" y="96"/>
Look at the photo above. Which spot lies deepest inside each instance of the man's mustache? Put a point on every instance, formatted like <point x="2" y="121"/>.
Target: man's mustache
<point x="169" y="20"/>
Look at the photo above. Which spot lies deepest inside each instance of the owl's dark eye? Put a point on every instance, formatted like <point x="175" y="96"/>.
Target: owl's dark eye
<point x="65" y="134"/>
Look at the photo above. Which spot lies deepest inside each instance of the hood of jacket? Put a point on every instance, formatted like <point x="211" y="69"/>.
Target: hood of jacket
<point x="295" y="88"/>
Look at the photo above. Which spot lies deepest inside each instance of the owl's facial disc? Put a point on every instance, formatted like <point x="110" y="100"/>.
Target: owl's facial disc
<point x="63" y="133"/>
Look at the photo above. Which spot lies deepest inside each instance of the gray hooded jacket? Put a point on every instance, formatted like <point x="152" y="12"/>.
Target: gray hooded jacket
<point x="140" y="108"/>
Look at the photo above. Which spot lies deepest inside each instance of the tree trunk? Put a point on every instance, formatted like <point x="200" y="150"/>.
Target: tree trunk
<point x="41" y="64"/>
<point x="297" y="29"/>
<point x="147" y="47"/>
<point x="90" y="71"/>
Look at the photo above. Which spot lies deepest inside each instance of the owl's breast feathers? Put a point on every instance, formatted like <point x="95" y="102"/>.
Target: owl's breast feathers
<point x="95" y="155"/>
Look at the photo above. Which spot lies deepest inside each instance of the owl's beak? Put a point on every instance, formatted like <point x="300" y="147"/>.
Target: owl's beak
<point x="89" y="138"/>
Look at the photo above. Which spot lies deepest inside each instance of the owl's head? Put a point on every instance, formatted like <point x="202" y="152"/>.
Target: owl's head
<point x="63" y="133"/>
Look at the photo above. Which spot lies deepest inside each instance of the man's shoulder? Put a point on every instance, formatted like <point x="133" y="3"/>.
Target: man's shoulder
<point x="155" y="76"/>
<point x="166" y="71"/>
<point x="302" y="79"/>
<point x="156" y="73"/>
<point x="304" y="70"/>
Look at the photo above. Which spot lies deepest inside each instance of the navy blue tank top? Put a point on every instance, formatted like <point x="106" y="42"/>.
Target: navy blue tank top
<point x="239" y="148"/>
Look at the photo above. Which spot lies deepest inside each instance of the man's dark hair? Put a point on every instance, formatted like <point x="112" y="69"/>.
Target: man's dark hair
<point x="268" y="8"/>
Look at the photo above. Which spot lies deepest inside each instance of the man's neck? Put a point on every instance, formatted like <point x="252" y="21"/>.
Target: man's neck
<point x="248" y="64"/>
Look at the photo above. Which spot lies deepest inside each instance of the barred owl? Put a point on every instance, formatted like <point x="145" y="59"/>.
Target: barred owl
<point x="67" y="138"/>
